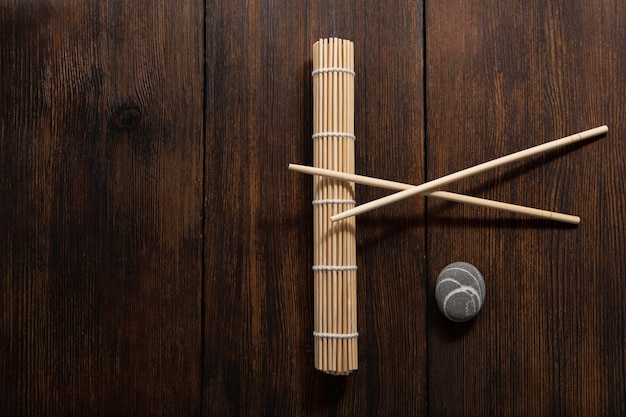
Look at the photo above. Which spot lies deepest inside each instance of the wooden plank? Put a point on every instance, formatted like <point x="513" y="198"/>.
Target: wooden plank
<point x="393" y="296"/>
<point x="258" y="303"/>
<point x="100" y="220"/>
<point x="255" y="308"/>
<point x="258" y="309"/>
<point x="549" y="340"/>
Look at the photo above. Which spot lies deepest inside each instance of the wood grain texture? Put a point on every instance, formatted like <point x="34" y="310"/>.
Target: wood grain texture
<point x="100" y="220"/>
<point x="259" y="294"/>
<point x="255" y="312"/>
<point x="156" y="253"/>
<point x="550" y="338"/>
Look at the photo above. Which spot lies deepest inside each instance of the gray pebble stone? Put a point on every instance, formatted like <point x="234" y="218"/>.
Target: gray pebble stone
<point x="460" y="291"/>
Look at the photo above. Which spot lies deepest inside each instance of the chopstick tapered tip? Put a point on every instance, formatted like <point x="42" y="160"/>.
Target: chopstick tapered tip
<point x="571" y="220"/>
<point x="597" y="131"/>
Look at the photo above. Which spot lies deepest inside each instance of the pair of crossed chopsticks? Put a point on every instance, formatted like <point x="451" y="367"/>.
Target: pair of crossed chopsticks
<point x="428" y="188"/>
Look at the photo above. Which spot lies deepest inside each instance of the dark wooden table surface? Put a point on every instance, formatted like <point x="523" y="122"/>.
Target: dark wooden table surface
<point x="155" y="253"/>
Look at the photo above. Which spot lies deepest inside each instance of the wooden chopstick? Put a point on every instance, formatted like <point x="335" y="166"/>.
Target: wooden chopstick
<point x="442" y="195"/>
<point x="447" y="179"/>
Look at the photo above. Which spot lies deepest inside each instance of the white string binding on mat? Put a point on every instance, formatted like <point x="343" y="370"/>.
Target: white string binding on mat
<point x="327" y="134"/>
<point x="335" y="268"/>
<point x="333" y="69"/>
<point x="336" y="335"/>
<point x="333" y="201"/>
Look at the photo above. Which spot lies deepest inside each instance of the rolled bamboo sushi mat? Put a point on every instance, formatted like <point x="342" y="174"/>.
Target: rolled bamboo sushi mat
<point x="335" y="322"/>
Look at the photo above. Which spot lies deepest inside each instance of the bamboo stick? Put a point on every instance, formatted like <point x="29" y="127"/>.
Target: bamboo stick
<point x="442" y="195"/>
<point x="431" y="185"/>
